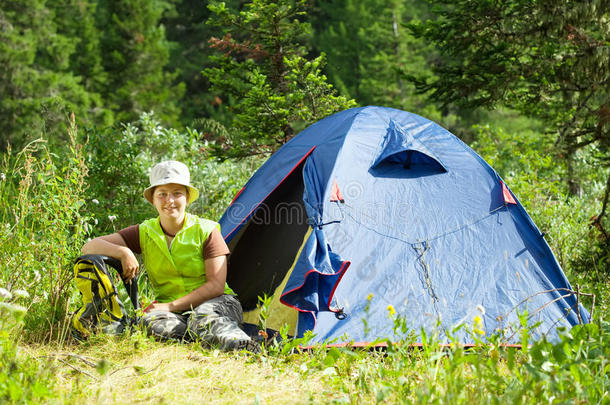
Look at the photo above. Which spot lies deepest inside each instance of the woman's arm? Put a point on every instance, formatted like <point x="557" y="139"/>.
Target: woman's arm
<point x="113" y="245"/>
<point x="214" y="286"/>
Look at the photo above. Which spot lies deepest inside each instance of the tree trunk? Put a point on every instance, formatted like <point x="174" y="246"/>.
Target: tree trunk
<point x="574" y="188"/>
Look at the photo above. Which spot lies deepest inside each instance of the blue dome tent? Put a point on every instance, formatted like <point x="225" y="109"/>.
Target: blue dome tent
<point x="373" y="207"/>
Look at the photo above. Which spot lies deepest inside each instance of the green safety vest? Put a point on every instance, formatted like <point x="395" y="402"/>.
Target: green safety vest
<point x="176" y="271"/>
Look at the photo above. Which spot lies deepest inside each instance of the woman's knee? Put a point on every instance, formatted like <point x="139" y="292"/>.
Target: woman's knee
<point x="166" y="325"/>
<point x="223" y="306"/>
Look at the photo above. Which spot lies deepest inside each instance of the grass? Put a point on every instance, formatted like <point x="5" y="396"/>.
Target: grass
<point x="136" y="369"/>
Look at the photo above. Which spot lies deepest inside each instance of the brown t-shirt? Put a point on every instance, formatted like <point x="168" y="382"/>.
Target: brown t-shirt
<point x="214" y="245"/>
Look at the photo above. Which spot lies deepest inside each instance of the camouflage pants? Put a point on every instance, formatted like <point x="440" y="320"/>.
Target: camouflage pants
<point x="215" y="322"/>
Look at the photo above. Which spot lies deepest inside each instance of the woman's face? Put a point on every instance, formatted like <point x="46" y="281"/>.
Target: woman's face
<point x="170" y="201"/>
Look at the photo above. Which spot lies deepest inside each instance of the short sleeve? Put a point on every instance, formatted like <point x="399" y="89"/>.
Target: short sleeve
<point x="131" y="236"/>
<point x="215" y="245"/>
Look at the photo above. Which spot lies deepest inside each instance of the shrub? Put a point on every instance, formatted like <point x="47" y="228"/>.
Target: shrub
<point x="119" y="160"/>
<point x="21" y="380"/>
<point x="42" y="229"/>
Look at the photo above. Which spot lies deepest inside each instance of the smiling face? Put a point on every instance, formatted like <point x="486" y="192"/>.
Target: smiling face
<point x="170" y="201"/>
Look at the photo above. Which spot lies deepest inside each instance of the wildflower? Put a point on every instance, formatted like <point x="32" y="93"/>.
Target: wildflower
<point x="94" y="201"/>
<point x="369" y="297"/>
<point x="481" y="309"/>
<point x="6" y="294"/>
<point x="329" y="371"/>
<point x="111" y="218"/>
<point x="21" y="294"/>
<point x="94" y="221"/>
<point x="2" y="176"/>
<point x="12" y="308"/>
<point x="477" y="325"/>
<point x="391" y="310"/>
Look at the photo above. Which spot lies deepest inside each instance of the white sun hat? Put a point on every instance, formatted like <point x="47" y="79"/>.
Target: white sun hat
<point x="171" y="171"/>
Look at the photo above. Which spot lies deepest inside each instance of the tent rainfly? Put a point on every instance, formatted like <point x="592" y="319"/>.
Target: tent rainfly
<point x="374" y="210"/>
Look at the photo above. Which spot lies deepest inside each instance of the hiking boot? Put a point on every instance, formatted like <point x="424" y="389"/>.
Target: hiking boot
<point x="248" y="345"/>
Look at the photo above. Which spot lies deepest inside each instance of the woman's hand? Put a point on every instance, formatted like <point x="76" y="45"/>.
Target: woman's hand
<point x="130" y="264"/>
<point x="113" y="245"/>
<point x="159" y="306"/>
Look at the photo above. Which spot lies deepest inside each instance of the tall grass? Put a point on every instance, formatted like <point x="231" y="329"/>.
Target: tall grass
<point x="41" y="232"/>
<point x="42" y="229"/>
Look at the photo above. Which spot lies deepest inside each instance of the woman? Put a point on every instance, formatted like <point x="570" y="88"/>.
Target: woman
<point x="186" y="261"/>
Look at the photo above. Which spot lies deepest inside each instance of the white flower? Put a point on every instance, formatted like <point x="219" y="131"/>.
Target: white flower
<point x="21" y="294"/>
<point x="13" y="308"/>
<point x="481" y="309"/>
<point x="94" y="201"/>
<point x="2" y="176"/>
<point x="6" y="294"/>
<point x="111" y="218"/>
<point x="95" y="221"/>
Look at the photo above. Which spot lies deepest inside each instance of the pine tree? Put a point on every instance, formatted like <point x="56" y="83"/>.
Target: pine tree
<point x="135" y="53"/>
<point x="37" y="85"/>
<point x="76" y="19"/>
<point x="370" y="51"/>
<point x="190" y="52"/>
<point x="263" y="73"/>
<point x="549" y="59"/>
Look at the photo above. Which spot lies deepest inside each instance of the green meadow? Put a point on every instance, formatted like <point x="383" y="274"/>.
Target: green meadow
<point x="95" y="93"/>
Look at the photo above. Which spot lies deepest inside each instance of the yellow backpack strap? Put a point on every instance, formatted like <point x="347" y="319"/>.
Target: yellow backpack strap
<point x="131" y="286"/>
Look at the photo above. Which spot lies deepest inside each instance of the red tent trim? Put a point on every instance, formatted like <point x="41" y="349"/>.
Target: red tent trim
<point x="508" y="197"/>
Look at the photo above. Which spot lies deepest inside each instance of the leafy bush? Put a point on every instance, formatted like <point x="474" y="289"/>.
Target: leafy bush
<point x="119" y="160"/>
<point x="42" y="229"/>
<point x="21" y="380"/>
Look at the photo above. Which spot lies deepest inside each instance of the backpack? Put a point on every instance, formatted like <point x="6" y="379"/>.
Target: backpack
<point x="102" y="308"/>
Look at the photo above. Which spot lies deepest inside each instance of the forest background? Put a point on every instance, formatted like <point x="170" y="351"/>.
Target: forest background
<point x="92" y="93"/>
